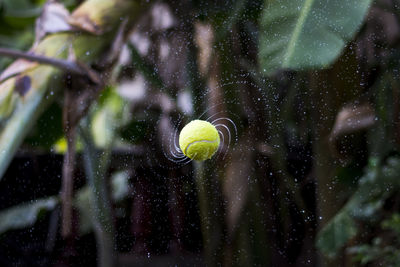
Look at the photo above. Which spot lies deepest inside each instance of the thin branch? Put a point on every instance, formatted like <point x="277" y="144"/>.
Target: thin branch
<point x="68" y="184"/>
<point x="67" y="65"/>
<point x="59" y="63"/>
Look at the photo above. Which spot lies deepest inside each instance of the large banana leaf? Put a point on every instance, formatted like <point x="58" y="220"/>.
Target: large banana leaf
<point x="305" y="34"/>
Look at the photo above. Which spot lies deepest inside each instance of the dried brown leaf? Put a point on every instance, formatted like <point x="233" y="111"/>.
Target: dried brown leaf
<point x="352" y="119"/>
<point x="54" y="18"/>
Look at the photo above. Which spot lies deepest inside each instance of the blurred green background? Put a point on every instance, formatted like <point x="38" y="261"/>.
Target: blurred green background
<point x="89" y="170"/>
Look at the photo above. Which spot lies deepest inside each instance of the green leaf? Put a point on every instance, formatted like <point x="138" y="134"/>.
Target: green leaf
<point x="120" y="185"/>
<point x="20" y="13"/>
<point x="26" y="214"/>
<point x="336" y="234"/>
<point x="7" y="102"/>
<point x="393" y="223"/>
<point x="374" y="187"/>
<point x="306" y="34"/>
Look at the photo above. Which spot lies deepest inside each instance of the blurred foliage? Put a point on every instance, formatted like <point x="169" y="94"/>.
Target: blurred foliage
<point x="26" y="214"/>
<point x="109" y="115"/>
<point x="381" y="251"/>
<point x="17" y="23"/>
<point x="120" y="190"/>
<point x="374" y="188"/>
<point x="284" y="71"/>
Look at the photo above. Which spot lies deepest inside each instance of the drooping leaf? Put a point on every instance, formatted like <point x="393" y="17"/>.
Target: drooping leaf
<point x="26" y="214"/>
<point x="304" y="34"/>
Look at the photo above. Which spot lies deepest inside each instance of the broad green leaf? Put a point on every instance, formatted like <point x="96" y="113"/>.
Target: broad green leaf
<point x="305" y="34"/>
<point x="26" y="214"/>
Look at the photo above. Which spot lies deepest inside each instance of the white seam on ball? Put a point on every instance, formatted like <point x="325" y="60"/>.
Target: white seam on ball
<point x="198" y="141"/>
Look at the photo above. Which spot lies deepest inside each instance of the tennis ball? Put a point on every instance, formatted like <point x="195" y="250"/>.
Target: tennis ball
<point x="199" y="140"/>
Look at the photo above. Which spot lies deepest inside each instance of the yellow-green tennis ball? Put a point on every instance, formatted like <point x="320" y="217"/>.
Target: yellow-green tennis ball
<point x="199" y="140"/>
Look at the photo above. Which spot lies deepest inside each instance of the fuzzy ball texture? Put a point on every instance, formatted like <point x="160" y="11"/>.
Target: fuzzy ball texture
<point x="199" y="140"/>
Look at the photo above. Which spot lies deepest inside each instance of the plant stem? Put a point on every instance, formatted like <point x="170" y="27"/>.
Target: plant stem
<point x="211" y="215"/>
<point x="68" y="184"/>
<point x="96" y="165"/>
